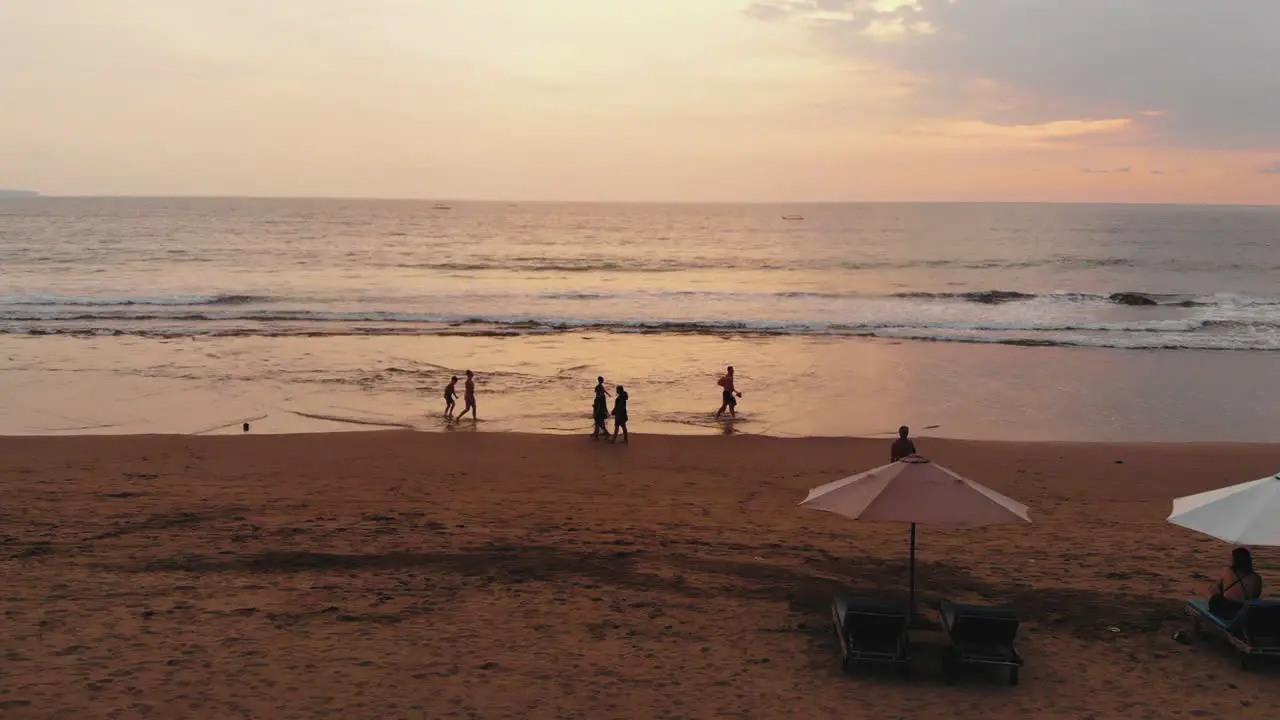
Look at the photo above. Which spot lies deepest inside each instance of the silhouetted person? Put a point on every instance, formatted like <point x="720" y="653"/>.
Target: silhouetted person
<point x="469" y="394"/>
<point x="727" y="399"/>
<point x="1236" y="585"/>
<point x="902" y="447"/>
<point x="620" y="416"/>
<point x="600" y="410"/>
<point x="450" y="395"/>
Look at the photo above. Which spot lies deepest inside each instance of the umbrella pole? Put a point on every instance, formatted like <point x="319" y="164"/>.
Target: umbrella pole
<point x="912" y="605"/>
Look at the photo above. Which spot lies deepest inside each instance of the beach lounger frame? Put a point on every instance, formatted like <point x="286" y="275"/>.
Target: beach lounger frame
<point x="871" y="631"/>
<point x="1254" y="632"/>
<point x="980" y="635"/>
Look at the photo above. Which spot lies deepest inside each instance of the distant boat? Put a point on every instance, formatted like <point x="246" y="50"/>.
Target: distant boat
<point x="441" y="207"/>
<point x="792" y="217"/>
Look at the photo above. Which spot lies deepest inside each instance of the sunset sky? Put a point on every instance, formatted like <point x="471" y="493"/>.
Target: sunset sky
<point x="665" y="100"/>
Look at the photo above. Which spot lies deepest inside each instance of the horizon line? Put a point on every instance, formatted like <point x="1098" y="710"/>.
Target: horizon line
<point x="37" y="195"/>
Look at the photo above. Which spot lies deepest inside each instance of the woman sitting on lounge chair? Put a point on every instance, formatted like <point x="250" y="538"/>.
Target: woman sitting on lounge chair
<point x="1236" y="585"/>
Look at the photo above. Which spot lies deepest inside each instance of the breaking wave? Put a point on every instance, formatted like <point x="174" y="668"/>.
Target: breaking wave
<point x="1153" y="334"/>
<point x="984" y="297"/>
<point x="562" y="264"/>
<point x="1120" y="320"/>
<point x="170" y="301"/>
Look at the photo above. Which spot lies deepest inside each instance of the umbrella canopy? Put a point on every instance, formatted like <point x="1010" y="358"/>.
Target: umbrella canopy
<point x="915" y="490"/>
<point x="1245" y="514"/>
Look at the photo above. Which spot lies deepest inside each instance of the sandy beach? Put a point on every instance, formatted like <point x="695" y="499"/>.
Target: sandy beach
<point x="420" y="575"/>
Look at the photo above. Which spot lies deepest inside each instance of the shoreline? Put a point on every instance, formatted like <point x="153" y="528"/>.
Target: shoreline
<point x="882" y="438"/>
<point x="794" y="387"/>
<point x="389" y="574"/>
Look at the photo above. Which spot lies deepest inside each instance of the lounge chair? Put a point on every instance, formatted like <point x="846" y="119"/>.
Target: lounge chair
<point x="872" y="631"/>
<point x="1254" y="632"/>
<point x="980" y="635"/>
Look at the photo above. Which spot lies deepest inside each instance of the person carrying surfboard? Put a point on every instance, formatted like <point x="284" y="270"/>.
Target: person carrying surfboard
<point x="727" y="399"/>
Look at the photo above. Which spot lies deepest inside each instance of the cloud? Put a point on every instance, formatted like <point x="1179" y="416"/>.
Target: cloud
<point x="1270" y="169"/>
<point x="1195" y="73"/>
<point x="1058" y="132"/>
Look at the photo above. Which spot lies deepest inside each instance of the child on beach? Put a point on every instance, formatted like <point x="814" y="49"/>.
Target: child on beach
<point x="600" y="410"/>
<point x="450" y="393"/>
<point x="620" y="416"/>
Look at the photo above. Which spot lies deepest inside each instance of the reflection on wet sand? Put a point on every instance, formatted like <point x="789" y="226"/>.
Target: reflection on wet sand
<point x="795" y="387"/>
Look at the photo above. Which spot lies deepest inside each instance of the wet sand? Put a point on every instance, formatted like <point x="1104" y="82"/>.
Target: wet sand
<point x="793" y="387"/>
<point x="419" y="575"/>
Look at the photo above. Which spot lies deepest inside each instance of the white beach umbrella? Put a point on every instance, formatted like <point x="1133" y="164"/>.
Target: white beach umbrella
<point x="915" y="490"/>
<point x="1245" y="514"/>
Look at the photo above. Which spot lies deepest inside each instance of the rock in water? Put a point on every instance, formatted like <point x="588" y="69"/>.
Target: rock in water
<point x="995" y="297"/>
<point x="1132" y="299"/>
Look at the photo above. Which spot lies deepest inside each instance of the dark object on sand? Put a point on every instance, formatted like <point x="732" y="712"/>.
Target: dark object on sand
<point x="980" y="635"/>
<point x="871" y="631"/>
<point x="1132" y="299"/>
<point x="1254" y="632"/>
<point x="246" y="427"/>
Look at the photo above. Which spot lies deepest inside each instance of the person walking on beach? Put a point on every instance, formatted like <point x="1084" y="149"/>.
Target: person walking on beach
<point x="469" y="394"/>
<point x="902" y="447"/>
<point x="620" y="416"/>
<point x="600" y="410"/>
<point x="727" y="399"/>
<point x="450" y="395"/>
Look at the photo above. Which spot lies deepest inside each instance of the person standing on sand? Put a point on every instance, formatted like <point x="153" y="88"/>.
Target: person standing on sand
<point x="450" y="394"/>
<point x="620" y="416"/>
<point x="469" y="394"/>
<point x="902" y="447"/>
<point x="727" y="399"/>
<point x="600" y="410"/>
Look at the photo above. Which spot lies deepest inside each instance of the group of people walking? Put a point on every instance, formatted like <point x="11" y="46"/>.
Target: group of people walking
<point x="600" y="411"/>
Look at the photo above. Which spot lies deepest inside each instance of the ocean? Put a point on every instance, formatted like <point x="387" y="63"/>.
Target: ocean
<point x="822" y="307"/>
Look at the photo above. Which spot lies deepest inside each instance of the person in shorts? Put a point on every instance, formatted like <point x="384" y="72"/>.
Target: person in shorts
<point x="450" y="397"/>
<point x="469" y="394"/>
<point x="729" y="395"/>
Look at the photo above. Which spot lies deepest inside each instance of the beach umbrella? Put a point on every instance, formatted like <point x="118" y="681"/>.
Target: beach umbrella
<point x="1245" y="514"/>
<point x="917" y="491"/>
